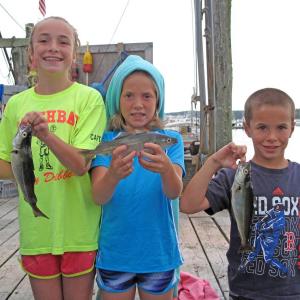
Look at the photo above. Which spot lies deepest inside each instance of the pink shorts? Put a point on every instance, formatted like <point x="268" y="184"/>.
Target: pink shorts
<point x="69" y="264"/>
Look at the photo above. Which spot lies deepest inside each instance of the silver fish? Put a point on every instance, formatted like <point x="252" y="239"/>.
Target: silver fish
<point x="23" y="168"/>
<point x="134" y="141"/>
<point x="242" y="203"/>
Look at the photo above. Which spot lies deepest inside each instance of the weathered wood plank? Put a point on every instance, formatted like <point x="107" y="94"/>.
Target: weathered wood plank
<point x="3" y="201"/>
<point x="10" y="276"/>
<point x="195" y="261"/>
<point x="223" y="221"/>
<point x="215" y="247"/>
<point x="8" y="218"/>
<point x="15" y="42"/>
<point x="9" y="248"/>
<point x="7" y="205"/>
<point x="205" y="258"/>
<point x="23" y="291"/>
<point x="199" y="214"/>
<point x="8" y="231"/>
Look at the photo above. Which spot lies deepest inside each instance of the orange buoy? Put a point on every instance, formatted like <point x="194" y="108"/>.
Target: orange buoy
<point x="87" y="61"/>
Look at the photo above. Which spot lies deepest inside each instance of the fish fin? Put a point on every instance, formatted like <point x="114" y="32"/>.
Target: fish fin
<point x="38" y="213"/>
<point x="122" y="135"/>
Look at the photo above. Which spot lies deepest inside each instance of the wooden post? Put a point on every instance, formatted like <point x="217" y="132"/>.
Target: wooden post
<point x="211" y="78"/>
<point x="19" y="55"/>
<point x="223" y="71"/>
<point x="20" y="59"/>
<point x="216" y="80"/>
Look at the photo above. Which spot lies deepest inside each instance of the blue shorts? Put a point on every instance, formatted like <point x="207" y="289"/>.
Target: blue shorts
<point x="118" y="282"/>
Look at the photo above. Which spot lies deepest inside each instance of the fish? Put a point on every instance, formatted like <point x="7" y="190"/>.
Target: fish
<point x="23" y="167"/>
<point x="242" y="203"/>
<point x="134" y="141"/>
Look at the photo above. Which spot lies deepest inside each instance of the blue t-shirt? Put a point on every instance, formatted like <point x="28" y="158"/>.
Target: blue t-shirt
<point x="137" y="230"/>
<point x="271" y="270"/>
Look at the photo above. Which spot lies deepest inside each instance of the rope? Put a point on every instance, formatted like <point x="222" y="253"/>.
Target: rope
<point x="12" y="17"/>
<point x="109" y="44"/>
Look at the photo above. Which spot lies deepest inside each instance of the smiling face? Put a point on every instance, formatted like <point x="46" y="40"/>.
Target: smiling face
<point x="138" y="101"/>
<point x="270" y="129"/>
<point x="52" y="48"/>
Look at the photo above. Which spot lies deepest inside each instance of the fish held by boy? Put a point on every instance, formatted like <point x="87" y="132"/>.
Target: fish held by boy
<point x="22" y="167"/>
<point x="133" y="141"/>
<point x="242" y="203"/>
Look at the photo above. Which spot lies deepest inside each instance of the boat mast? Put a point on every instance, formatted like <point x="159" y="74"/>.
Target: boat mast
<point x="214" y="74"/>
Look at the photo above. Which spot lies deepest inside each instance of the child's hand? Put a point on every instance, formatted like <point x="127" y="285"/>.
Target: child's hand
<point x="38" y="123"/>
<point x="157" y="161"/>
<point x="121" y="164"/>
<point x="229" y="155"/>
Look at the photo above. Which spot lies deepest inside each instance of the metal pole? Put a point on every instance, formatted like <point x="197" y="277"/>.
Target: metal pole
<point x="201" y="77"/>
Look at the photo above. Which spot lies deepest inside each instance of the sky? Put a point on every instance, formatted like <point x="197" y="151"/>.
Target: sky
<point x="264" y="39"/>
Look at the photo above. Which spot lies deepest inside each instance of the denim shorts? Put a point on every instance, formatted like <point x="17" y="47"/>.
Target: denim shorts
<point x="153" y="283"/>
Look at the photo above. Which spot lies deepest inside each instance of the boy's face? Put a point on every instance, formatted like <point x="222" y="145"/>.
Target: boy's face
<point x="270" y="129"/>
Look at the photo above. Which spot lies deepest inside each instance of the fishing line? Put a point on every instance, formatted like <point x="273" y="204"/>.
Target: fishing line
<point x="12" y="17"/>
<point x="109" y="44"/>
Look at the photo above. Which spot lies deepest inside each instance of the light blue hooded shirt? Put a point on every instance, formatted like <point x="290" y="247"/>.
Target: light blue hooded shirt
<point x="132" y="63"/>
<point x="154" y="258"/>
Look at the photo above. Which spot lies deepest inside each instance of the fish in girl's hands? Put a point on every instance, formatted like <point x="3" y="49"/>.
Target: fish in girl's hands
<point x="133" y="141"/>
<point x="23" y="168"/>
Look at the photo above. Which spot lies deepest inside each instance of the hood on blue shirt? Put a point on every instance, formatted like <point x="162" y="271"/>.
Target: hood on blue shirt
<point x="131" y="64"/>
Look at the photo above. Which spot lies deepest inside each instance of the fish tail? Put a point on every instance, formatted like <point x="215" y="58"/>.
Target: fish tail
<point x="38" y="213"/>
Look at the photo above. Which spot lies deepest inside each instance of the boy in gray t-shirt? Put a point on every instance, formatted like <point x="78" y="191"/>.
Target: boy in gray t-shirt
<point x="270" y="269"/>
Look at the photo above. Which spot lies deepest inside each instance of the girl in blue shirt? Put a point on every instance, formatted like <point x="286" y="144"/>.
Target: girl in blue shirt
<point x="138" y="243"/>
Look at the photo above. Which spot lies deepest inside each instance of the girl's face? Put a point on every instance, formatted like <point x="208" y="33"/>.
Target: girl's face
<point x="138" y="101"/>
<point x="270" y="129"/>
<point x="52" y="47"/>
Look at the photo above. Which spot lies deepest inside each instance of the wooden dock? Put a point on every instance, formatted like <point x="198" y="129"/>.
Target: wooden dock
<point x="203" y="241"/>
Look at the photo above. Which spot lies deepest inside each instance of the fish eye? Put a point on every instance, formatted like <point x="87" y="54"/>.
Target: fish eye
<point x="169" y="140"/>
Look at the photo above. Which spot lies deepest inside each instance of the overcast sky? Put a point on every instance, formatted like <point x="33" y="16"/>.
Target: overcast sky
<point x="265" y="39"/>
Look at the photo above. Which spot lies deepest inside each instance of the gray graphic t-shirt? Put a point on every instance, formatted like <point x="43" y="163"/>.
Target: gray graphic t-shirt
<point x="271" y="268"/>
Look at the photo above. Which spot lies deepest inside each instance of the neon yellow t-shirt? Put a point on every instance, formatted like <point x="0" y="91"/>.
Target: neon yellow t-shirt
<point x="77" y="116"/>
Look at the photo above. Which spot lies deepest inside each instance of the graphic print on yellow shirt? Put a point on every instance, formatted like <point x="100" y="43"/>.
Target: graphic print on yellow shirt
<point x="77" y="116"/>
